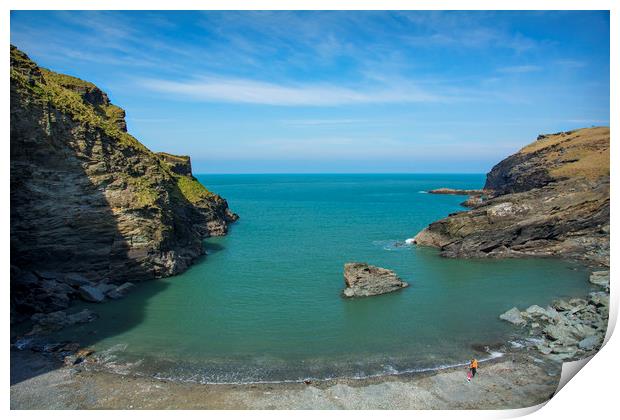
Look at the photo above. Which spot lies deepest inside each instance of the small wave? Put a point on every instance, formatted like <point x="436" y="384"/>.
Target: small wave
<point x="394" y="244"/>
<point x="388" y="370"/>
<point x="182" y="373"/>
<point x="493" y="355"/>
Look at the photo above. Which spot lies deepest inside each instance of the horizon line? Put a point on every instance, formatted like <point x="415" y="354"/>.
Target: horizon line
<point x="340" y="173"/>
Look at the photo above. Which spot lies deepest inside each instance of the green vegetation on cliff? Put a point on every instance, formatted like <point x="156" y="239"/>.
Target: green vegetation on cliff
<point x="549" y="199"/>
<point x="87" y="198"/>
<point x="87" y="104"/>
<point x="191" y="189"/>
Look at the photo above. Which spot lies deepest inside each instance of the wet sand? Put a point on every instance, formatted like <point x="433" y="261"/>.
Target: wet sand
<point x="516" y="380"/>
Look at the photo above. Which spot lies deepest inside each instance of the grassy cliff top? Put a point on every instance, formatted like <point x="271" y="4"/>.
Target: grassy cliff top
<point x="571" y="154"/>
<point x="66" y="80"/>
<point x="84" y="102"/>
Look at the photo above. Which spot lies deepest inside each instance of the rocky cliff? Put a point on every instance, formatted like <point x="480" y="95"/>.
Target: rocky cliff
<point x="549" y="199"/>
<point x="90" y="205"/>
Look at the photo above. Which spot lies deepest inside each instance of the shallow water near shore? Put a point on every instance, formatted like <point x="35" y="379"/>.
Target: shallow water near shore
<point x="265" y="305"/>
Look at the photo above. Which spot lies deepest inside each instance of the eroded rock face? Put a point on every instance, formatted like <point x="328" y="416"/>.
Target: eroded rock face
<point x="89" y="203"/>
<point x="367" y="280"/>
<point x="550" y="199"/>
<point x="181" y="165"/>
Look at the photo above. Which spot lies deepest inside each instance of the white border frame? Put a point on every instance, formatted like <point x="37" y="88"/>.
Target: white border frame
<point x="590" y="395"/>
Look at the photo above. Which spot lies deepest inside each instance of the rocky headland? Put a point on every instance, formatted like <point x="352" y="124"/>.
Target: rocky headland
<point x="92" y="209"/>
<point x="549" y="199"/>
<point x="454" y="191"/>
<point x="475" y="196"/>
<point x="363" y="280"/>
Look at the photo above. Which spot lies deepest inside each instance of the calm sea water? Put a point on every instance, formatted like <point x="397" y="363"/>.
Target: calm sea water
<point x="266" y="305"/>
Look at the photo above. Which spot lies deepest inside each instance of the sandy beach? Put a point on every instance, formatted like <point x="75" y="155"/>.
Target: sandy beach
<point x="515" y="380"/>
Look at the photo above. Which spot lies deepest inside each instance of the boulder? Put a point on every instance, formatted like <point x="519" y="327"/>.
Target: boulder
<point x="561" y="357"/>
<point x="561" y="333"/>
<point x="513" y="316"/>
<point x="58" y="320"/>
<point x="47" y="275"/>
<point x="544" y="349"/>
<point x="536" y="310"/>
<point x="53" y="287"/>
<point x="106" y="287"/>
<point x="578" y="308"/>
<point x="562" y="305"/>
<point x="578" y="302"/>
<point x="82" y="317"/>
<point x="553" y="314"/>
<point x="50" y="322"/>
<point x="76" y="280"/>
<point x="120" y="291"/>
<point x="581" y="330"/>
<point x="367" y="280"/>
<point x="91" y="294"/>
<point x="600" y="278"/>
<point x="599" y="299"/>
<point x="590" y="342"/>
<point x="26" y="278"/>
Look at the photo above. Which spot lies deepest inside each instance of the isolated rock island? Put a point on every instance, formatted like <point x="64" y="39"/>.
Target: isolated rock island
<point x="549" y="199"/>
<point x="91" y="207"/>
<point x="362" y="279"/>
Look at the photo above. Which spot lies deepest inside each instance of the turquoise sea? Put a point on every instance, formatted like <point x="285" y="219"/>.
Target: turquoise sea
<point x="265" y="304"/>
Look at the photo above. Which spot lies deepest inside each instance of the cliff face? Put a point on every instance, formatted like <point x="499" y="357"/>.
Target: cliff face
<point x="549" y="199"/>
<point x="87" y="198"/>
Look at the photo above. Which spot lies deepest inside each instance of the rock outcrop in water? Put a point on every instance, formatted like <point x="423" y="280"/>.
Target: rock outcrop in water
<point x="453" y="191"/>
<point x="367" y="280"/>
<point x="91" y="207"/>
<point x="549" y="199"/>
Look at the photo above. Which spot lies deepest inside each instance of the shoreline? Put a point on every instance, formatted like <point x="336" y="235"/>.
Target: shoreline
<point x="520" y="377"/>
<point x="517" y="379"/>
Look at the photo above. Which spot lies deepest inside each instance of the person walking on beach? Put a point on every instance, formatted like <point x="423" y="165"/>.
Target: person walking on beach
<point x="473" y="366"/>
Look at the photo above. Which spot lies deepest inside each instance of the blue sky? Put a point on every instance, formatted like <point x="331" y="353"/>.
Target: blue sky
<point x="269" y="92"/>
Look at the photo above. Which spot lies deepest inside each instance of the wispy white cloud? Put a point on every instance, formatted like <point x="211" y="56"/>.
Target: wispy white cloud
<point x="222" y="89"/>
<point x="464" y="30"/>
<point x="526" y="68"/>
<point x="322" y="122"/>
<point x="569" y="63"/>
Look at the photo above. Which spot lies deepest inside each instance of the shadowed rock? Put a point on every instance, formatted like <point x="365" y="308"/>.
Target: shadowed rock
<point x="90" y="204"/>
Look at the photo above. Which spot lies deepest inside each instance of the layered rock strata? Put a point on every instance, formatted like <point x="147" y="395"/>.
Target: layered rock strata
<point x="91" y="207"/>
<point x="549" y="199"/>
